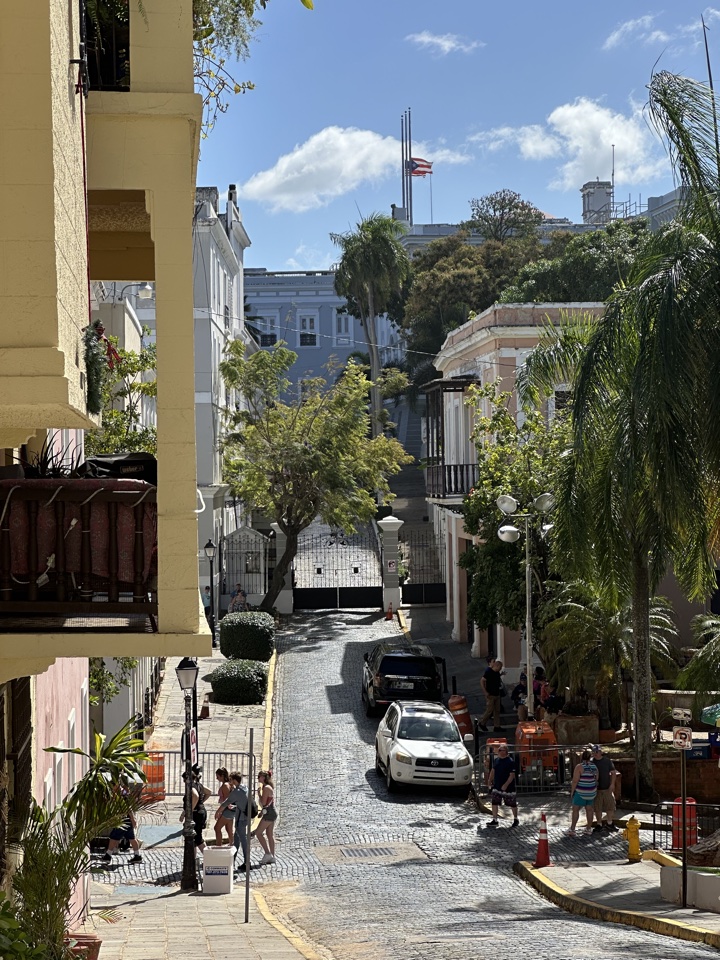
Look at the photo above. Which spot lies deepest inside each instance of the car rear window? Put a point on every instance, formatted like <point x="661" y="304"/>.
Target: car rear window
<point x="408" y="667"/>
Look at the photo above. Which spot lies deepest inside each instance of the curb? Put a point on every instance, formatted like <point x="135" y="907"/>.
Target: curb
<point x="595" y="911"/>
<point x="293" y="939"/>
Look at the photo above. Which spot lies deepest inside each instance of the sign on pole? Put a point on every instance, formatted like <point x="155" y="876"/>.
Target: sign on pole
<point x="680" y="713"/>
<point x="682" y="738"/>
<point x="193" y="746"/>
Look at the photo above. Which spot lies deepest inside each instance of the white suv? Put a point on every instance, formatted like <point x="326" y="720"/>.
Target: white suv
<point x="419" y="742"/>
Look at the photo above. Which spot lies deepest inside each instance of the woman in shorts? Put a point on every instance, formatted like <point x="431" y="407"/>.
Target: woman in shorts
<point x="264" y="832"/>
<point x="583" y="792"/>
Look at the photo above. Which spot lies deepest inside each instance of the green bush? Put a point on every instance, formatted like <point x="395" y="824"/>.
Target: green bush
<point x="239" y="681"/>
<point x="247" y="636"/>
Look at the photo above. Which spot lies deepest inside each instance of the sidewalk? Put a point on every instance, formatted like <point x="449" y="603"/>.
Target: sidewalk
<point x="158" y="920"/>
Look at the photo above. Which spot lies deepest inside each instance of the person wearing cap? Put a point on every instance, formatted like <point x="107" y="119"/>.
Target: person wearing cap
<point x="605" y="797"/>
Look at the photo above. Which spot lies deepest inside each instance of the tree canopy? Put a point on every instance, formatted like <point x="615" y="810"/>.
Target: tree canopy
<point x="587" y="270"/>
<point x="295" y="461"/>
<point x="504" y="214"/>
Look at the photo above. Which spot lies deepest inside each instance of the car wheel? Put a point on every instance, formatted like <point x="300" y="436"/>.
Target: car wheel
<point x="378" y="765"/>
<point x="389" y="782"/>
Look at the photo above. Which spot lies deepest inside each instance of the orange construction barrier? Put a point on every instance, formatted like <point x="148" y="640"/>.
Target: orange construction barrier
<point x="690" y="823"/>
<point x="459" y="709"/>
<point x="542" y="858"/>
<point x="535" y="744"/>
<point x="154" y="770"/>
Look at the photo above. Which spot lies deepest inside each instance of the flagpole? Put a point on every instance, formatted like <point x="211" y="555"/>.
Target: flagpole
<point x="402" y="161"/>
<point x="410" y="188"/>
<point x="431" y="208"/>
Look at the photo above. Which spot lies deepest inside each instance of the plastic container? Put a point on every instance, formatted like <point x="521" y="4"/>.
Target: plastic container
<point x="218" y="869"/>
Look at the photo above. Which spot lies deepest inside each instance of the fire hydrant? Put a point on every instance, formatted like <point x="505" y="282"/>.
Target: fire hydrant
<point x="632" y="834"/>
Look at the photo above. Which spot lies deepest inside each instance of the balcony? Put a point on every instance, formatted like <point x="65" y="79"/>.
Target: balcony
<point x="444" y="480"/>
<point x="78" y="554"/>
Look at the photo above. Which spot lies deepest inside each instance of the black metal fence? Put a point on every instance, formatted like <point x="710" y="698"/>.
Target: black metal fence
<point x="542" y="769"/>
<point x="701" y="821"/>
<point x="422" y="567"/>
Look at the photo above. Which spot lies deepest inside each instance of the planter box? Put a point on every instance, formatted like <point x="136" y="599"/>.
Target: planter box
<point x="703" y="778"/>
<point x="703" y="889"/>
<point x="577" y="730"/>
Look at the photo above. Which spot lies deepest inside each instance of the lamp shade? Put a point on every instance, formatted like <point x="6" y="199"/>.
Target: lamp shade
<point x="507" y="504"/>
<point x="187" y="673"/>
<point x="145" y="292"/>
<point x="210" y="550"/>
<point x="508" y="533"/>
<point x="543" y="503"/>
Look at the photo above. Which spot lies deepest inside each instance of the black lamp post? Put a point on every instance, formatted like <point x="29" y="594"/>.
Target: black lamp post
<point x="210" y="551"/>
<point x="187" y="674"/>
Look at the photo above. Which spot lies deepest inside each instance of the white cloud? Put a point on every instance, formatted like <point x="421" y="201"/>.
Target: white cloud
<point x="331" y="163"/>
<point x="443" y="44"/>
<point x="310" y="258"/>
<point x="676" y="39"/>
<point x="582" y="133"/>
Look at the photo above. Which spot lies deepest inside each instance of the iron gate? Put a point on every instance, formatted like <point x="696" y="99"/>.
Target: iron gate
<point x="336" y="571"/>
<point x="421" y="567"/>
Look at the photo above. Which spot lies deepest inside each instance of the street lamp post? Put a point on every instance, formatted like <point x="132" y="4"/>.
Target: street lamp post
<point x="144" y="293"/>
<point x="210" y="550"/>
<point x="511" y="534"/>
<point x="187" y="673"/>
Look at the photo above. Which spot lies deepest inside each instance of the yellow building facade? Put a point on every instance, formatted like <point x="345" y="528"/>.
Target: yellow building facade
<point x="100" y="187"/>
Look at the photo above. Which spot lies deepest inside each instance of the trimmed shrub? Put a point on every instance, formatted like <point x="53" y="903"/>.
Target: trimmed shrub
<point x="247" y="636"/>
<point x="239" y="681"/>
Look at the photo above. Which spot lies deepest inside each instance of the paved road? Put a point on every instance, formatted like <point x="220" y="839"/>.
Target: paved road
<point x="367" y="875"/>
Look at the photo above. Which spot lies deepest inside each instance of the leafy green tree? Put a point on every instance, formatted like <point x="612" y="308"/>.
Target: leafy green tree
<point x="373" y="267"/>
<point x="519" y="459"/>
<point x="451" y="280"/>
<point x="589" y="267"/>
<point x="126" y="386"/>
<point x="703" y="671"/>
<point x="295" y="461"/>
<point x="504" y="214"/>
<point x="106" y="683"/>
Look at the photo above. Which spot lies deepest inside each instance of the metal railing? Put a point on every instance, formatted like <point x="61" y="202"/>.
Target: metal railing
<point x="169" y="767"/>
<point x="541" y="769"/>
<point x="701" y="820"/>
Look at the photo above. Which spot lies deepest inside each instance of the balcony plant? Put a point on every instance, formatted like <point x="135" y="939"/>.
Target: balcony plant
<point x="52" y="846"/>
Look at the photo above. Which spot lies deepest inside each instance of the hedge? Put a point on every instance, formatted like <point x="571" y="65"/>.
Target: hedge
<point x="239" y="681"/>
<point x="247" y="636"/>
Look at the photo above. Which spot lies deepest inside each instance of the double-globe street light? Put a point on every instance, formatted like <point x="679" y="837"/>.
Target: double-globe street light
<point x="511" y="534"/>
<point x="187" y="674"/>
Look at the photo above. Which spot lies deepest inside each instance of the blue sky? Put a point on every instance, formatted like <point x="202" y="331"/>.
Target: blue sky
<point x="502" y="95"/>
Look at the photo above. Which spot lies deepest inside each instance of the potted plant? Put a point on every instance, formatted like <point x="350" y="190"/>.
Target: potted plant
<point x="52" y="847"/>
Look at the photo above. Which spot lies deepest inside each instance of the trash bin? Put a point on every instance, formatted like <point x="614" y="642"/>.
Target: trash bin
<point x="218" y="869"/>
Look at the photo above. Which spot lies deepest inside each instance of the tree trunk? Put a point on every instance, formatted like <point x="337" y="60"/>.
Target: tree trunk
<point x="642" y="676"/>
<point x="376" y="427"/>
<point x="281" y="568"/>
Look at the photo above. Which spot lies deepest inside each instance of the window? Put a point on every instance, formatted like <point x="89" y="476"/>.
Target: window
<point x="342" y="327"/>
<point x="562" y="398"/>
<point x="48" y="790"/>
<point x="268" y="339"/>
<point x="58" y="775"/>
<point x="308" y="336"/>
<point x="72" y="774"/>
<point x="84" y="717"/>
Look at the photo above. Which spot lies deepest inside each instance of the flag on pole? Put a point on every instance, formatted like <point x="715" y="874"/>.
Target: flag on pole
<point x="419" y="168"/>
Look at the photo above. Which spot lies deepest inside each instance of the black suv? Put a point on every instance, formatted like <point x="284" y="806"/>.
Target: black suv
<point x="407" y="671"/>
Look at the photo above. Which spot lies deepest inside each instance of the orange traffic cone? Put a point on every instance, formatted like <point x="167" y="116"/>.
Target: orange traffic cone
<point x="542" y="858"/>
<point x="389" y="614"/>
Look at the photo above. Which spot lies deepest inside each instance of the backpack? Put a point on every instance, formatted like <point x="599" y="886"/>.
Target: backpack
<point x="253" y="808"/>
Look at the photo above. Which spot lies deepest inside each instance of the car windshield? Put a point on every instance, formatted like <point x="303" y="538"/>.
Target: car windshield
<point x="438" y="729"/>
<point x="408" y="667"/>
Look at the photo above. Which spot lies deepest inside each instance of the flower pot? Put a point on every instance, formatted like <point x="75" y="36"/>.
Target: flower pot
<point x="84" y="945"/>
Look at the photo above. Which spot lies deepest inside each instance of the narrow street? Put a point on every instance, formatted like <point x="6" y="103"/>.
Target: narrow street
<point x="364" y="874"/>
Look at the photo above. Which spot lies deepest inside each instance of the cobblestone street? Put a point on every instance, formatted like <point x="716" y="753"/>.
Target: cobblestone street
<point x="364" y="874"/>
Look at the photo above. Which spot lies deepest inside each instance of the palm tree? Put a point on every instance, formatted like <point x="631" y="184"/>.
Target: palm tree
<point x="373" y="266"/>
<point x="611" y="524"/>
<point x="591" y="636"/>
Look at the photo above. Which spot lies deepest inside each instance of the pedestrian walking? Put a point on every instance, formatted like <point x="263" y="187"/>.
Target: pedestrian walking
<point x="502" y="785"/>
<point x="124" y="834"/>
<point x="200" y="793"/>
<point x="583" y="792"/>
<point x="604" y="805"/>
<point x="224" y="823"/>
<point x="238" y="803"/>
<point x="265" y="830"/>
<point x="492" y="687"/>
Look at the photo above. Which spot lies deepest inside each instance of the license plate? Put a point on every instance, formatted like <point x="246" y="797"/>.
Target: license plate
<point x="403" y="685"/>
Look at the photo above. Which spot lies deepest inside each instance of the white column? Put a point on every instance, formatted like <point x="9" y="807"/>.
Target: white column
<point x="390" y="527"/>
